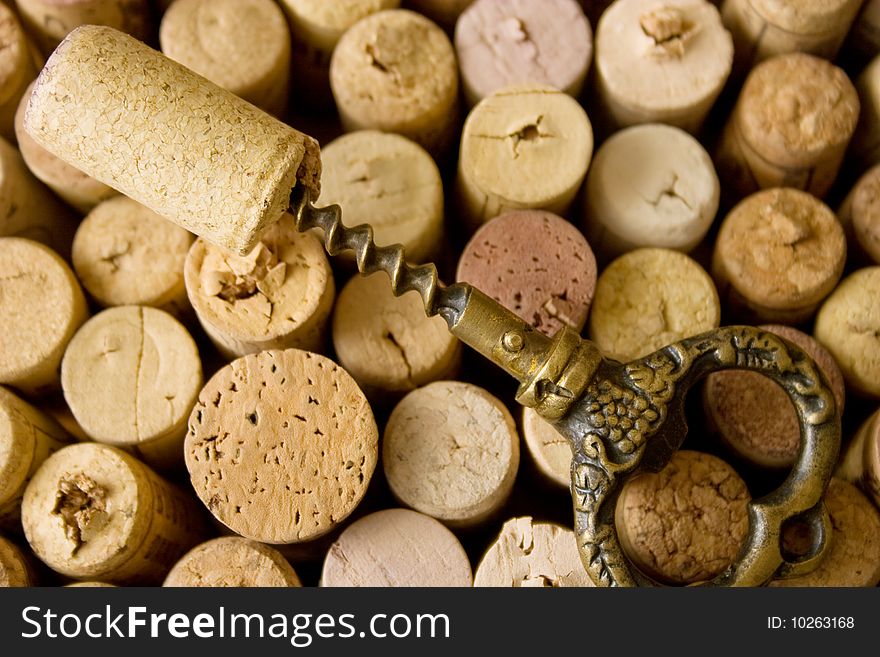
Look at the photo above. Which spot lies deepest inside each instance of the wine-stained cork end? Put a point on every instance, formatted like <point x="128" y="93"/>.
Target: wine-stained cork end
<point x="190" y="151"/>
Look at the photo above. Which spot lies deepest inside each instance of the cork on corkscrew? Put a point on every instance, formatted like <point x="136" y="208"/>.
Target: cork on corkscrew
<point x="225" y="170"/>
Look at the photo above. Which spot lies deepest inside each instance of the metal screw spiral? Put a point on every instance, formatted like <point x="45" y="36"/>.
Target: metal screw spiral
<point x="447" y="301"/>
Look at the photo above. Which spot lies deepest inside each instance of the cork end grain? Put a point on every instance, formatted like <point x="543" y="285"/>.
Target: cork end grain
<point x="41" y="307"/>
<point x="321" y="24"/>
<point x="178" y="143"/>
<point x="649" y="298"/>
<point x="780" y="249"/>
<point x="14" y="568"/>
<point x="536" y="264"/>
<point x="278" y="295"/>
<point x="281" y="446"/>
<point x="532" y="554"/>
<point x="806" y="16"/>
<point x="451" y="450"/>
<point x="848" y="326"/>
<point x="232" y="562"/>
<point x="685" y="524"/>
<point x="860" y="214"/>
<point x="795" y="109"/>
<point x="396" y="547"/>
<point x="126" y="254"/>
<point x="549" y="449"/>
<point x="387" y="343"/>
<point x="854" y="556"/>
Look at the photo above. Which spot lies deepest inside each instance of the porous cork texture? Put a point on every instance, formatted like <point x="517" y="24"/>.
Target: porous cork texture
<point x="27" y="208"/>
<point x="396" y="71"/>
<point x="522" y="147"/>
<point x="49" y="21"/>
<point x="14" y="568"/>
<point x="649" y="298"/>
<point x="860" y="462"/>
<point x="549" y="449"/>
<point x="41" y="308"/>
<point x="860" y="216"/>
<point x="130" y="376"/>
<point x="791" y="126"/>
<point x="754" y="415"/>
<point x="778" y="253"/>
<point x="277" y="296"/>
<point x="216" y="38"/>
<point x="387" y="343"/>
<point x="649" y="186"/>
<point x="126" y="254"/>
<point x="389" y="182"/>
<point x="865" y="146"/>
<point x="764" y="28"/>
<point x="73" y="186"/>
<point x="854" y="556"/>
<point x="451" y="451"/>
<point x="848" y="326"/>
<point x="686" y="523"/>
<point x="231" y="561"/>
<point x="504" y="42"/>
<point x="532" y="554"/>
<point x="320" y="24"/>
<point x="281" y="446"/>
<point x="396" y="548"/>
<point x="27" y="438"/>
<point x="187" y="149"/>
<point x="94" y="512"/>
<point x="17" y="69"/>
<point x="536" y="264"/>
<point x="661" y="61"/>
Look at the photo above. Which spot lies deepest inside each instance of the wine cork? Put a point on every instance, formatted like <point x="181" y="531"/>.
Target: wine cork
<point x="753" y="415"/>
<point x="860" y="215"/>
<point x="853" y="558"/>
<point x="649" y="298"/>
<point x="778" y="254"/>
<point x="232" y="562"/>
<point x="661" y="61"/>
<point x="27" y="438"/>
<point x="451" y="451"/>
<point x="848" y="324"/>
<point x="532" y="554"/>
<point x="17" y="69"/>
<point x="387" y="343"/>
<point x="126" y="254"/>
<point x="865" y="146"/>
<point x="94" y="512"/>
<point x="131" y="375"/>
<point x="686" y="523"/>
<point x="281" y="446"/>
<point x="279" y="295"/>
<point x="389" y="182"/>
<point x="27" y="207"/>
<point x="215" y="38"/>
<point x="790" y="127"/>
<point x="90" y="585"/>
<point x="549" y="449"/>
<point x="396" y="71"/>
<point x="73" y="186"/>
<point x="522" y="147"/>
<point x="396" y="547"/>
<point x="442" y="12"/>
<point x="649" y="185"/>
<point x="500" y="43"/>
<point x="14" y="568"/>
<point x="536" y="264"/>
<point x="166" y="137"/>
<point x="41" y="308"/>
<point x="765" y="28"/>
<point x="49" y="21"/>
<point x="860" y="463"/>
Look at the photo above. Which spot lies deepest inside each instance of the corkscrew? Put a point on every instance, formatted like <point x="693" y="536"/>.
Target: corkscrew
<point x="624" y="418"/>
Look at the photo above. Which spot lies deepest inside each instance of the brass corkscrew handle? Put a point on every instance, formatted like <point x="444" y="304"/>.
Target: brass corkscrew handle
<point x="631" y="419"/>
<point x="622" y="419"/>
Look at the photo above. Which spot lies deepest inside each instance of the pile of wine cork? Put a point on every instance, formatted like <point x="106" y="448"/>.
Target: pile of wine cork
<point x="193" y="393"/>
